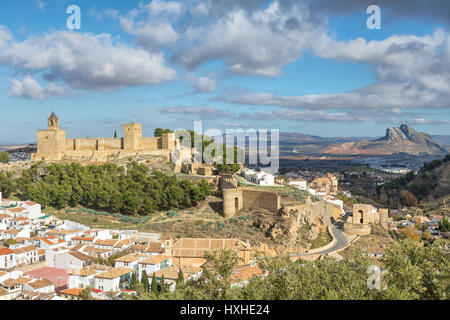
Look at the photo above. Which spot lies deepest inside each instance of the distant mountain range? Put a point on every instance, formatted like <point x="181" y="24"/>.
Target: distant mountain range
<point x="403" y="139"/>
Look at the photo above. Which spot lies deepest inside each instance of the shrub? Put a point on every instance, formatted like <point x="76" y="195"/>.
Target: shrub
<point x="172" y="213"/>
<point x="243" y="217"/>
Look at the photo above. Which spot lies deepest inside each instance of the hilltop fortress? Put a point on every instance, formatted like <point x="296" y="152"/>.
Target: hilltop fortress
<point x="52" y="144"/>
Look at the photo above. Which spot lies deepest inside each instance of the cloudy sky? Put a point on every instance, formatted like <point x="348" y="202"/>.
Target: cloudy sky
<point x="308" y="66"/>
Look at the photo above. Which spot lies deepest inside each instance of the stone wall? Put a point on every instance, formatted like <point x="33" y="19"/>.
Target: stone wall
<point x="253" y="199"/>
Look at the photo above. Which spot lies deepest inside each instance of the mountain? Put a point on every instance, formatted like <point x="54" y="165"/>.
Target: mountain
<point x="403" y="139"/>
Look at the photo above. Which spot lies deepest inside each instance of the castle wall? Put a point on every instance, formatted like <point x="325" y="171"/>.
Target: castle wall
<point x="261" y="199"/>
<point x="150" y="143"/>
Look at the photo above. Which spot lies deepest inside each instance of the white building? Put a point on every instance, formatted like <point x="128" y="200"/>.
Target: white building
<point x="153" y="264"/>
<point x="113" y="279"/>
<point x="299" y="183"/>
<point x="72" y="260"/>
<point x="7" y="258"/>
<point x="26" y="255"/>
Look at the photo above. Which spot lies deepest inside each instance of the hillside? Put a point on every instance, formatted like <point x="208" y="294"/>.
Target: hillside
<point x="431" y="184"/>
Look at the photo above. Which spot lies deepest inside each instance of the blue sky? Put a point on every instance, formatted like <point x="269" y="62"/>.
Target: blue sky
<point x="288" y="65"/>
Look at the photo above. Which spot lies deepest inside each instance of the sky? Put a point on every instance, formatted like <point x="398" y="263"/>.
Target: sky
<point x="303" y="66"/>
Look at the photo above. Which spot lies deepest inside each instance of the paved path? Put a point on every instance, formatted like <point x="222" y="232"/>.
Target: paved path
<point x="341" y="240"/>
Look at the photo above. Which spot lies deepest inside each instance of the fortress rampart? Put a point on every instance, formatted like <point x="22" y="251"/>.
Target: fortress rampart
<point x="235" y="198"/>
<point x="53" y="145"/>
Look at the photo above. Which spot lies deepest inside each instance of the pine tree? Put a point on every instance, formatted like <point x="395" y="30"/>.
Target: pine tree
<point x="115" y="134"/>
<point x="154" y="285"/>
<point x="144" y="281"/>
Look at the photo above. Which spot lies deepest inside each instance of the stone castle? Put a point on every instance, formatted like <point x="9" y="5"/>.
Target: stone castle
<point x="52" y="144"/>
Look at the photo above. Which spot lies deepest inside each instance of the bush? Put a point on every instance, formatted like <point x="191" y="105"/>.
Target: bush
<point x="172" y="214"/>
<point x="4" y="157"/>
<point x="243" y="217"/>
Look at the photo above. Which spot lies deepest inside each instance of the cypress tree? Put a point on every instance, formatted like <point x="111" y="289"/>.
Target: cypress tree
<point x="144" y="281"/>
<point x="154" y="285"/>
<point x="115" y="134"/>
<point x="180" y="280"/>
<point x="133" y="282"/>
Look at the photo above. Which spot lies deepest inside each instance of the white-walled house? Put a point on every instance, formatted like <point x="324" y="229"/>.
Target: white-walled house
<point x="41" y="286"/>
<point x="129" y="261"/>
<point x="72" y="260"/>
<point x="113" y="279"/>
<point x="26" y="255"/>
<point x="299" y="183"/>
<point x="33" y="208"/>
<point x="153" y="264"/>
<point x="7" y="258"/>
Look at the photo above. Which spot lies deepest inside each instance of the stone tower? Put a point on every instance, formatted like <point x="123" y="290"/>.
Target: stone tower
<point x="232" y="196"/>
<point x="51" y="142"/>
<point x="132" y="135"/>
<point x="53" y="122"/>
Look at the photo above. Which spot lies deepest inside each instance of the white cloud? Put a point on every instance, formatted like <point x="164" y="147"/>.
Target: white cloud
<point x="257" y="43"/>
<point x="29" y="88"/>
<point x="85" y="61"/>
<point x="150" y="37"/>
<point x="201" y="84"/>
<point x="158" y="7"/>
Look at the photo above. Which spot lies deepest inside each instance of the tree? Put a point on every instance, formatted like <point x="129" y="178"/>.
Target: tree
<point x="418" y="272"/>
<point x="133" y="282"/>
<point x="444" y="224"/>
<point x="144" y="281"/>
<point x="163" y="285"/>
<point x="426" y="235"/>
<point x="86" y="294"/>
<point x="159" y="132"/>
<point x="4" y="157"/>
<point x="115" y="134"/>
<point x="180" y="280"/>
<point x="154" y="284"/>
<point x="409" y="232"/>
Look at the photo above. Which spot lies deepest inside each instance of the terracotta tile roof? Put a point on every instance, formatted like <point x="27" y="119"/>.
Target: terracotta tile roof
<point x="40" y="283"/>
<point x="5" y="251"/>
<point x="246" y="273"/>
<point x="30" y="203"/>
<point x="123" y="243"/>
<point x="127" y="258"/>
<point x="41" y="252"/>
<point x="154" y="260"/>
<point x="47" y="241"/>
<point x="3" y="292"/>
<point x="155" y="247"/>
<point x="84" y="272"/>
<point x="140" y="247"/>
<point x="81" y="256"/>
<point x="19" y="219"/>
<point x="16" y="210"/>
<point x="114" y="273"/>
<point x="83" y="238"/>
<point x="196" y="247"/>
<point x="2" y="216"/>
<point x="14" y="282"/>
<point x="24" y="249"/>
<point x="107" y="242"/>
<point x="171" y="273"/>
<point x="72" y="292"/>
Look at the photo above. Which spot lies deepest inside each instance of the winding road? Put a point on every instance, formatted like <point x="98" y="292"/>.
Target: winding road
<point x="338" y="233"/>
